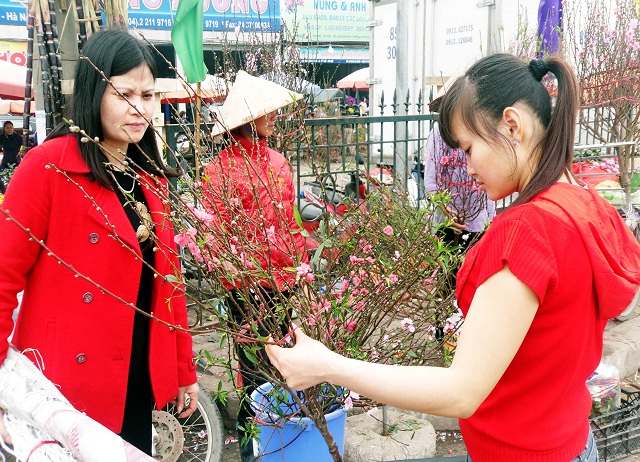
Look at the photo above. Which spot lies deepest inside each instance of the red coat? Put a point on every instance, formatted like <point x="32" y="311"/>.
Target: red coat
<point x="260" y="179"/>
<point x="83" y="335"/>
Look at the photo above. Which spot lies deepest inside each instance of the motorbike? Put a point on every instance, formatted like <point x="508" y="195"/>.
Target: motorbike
<point x="199" y="437"/>
<point x="325" y="198"/>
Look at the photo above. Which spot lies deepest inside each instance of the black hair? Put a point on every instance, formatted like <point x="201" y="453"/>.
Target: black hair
<point x="501" y="80"/>
<point x="114" y="53"/>
<point x="7" y="122"/>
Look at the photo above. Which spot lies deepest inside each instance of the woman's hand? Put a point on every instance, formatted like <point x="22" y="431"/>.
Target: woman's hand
<point x="229" y="268"/>
<point x="193" y="391"/>
<point x="4" y="434"/>
<point x="303" y="365"/>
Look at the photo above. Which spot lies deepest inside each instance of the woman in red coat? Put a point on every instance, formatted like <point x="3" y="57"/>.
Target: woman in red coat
<point x="87" y="238"/>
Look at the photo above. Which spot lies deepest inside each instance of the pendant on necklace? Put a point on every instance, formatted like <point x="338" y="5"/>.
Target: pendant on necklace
<point x="146" y="222"/>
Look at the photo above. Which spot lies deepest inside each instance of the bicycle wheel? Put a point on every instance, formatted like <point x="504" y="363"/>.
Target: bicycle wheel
<point x="199" y="437"/>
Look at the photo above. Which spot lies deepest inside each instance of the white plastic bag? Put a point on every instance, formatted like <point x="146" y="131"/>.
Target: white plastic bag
<point x="604" y="386"/>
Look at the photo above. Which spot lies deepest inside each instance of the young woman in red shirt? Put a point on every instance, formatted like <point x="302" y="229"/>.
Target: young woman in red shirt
<point x="536" y="291"/>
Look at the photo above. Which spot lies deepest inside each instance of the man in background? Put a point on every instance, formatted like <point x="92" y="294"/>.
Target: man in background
<point x="10" y="143"/>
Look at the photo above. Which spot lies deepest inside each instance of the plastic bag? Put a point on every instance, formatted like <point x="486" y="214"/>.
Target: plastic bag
<point x="604" y="386"/>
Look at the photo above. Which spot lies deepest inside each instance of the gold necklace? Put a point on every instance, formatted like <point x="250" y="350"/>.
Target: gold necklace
<point x="133" y="184"/>
<point x="146" y="221"/>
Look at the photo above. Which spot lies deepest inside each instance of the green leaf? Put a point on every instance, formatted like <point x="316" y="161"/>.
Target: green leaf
<point x="173" y="278"/>
<point x="250" y="356"/>
<point x="298" y="217"/>
<point x="318" y="252"/>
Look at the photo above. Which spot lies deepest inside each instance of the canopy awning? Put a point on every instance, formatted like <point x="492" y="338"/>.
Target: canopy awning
<point x="14" y="107"/>
<point x="13" y="80"/>
<point x="355" y="81"/>
<point x="212" y="89"/>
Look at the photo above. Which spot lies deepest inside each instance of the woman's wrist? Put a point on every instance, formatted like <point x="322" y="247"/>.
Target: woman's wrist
<point x="335" y="367"/>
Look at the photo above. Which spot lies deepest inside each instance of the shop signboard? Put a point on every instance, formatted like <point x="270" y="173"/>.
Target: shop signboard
<point x="334" y="55"/>
<point x="13" y="12"/>
<point x="219" y="15"/>
<point x="327" y="20"/>
<point x="13" y="52"/>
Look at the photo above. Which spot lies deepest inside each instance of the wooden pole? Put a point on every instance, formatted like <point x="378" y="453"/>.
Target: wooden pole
<point x="53" y="58"/>
<point x="28" y="91"/>
<point x="196" y="149"/>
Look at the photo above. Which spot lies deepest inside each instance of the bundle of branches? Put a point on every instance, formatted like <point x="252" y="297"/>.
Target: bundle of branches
<point x="602" y="40"/>
<point x="382" y="292"/>
<point x="377" y="288"/>
<point x="41" y="20"/>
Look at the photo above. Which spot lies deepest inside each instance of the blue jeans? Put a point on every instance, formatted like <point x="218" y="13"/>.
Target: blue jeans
<point x="590" y="453"/>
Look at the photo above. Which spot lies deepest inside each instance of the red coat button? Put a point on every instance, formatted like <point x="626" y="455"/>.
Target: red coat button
<point x="87" y="297"/>
<point x="81" y="358"/>
<point x="94" y="238"/>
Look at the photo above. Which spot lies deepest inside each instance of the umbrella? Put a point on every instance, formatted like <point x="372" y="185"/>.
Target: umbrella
<point x="13" y="79"/>
<point x="14" y="107"/>
<point x="355" y="81"/>
<point x="328" y="94"/>
<point x="212" y="89"/>
<point x="292" y="82"/>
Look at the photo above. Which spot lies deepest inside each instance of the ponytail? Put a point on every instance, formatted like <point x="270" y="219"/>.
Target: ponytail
<point x="559" y="135"/>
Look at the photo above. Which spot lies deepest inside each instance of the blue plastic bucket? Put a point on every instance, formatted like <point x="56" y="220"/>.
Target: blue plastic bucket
<point x="295" y="439"/>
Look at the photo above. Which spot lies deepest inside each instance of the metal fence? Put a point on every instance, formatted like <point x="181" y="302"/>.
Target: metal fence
<point x="335" y="150"/>
<point x="398" y="141"/>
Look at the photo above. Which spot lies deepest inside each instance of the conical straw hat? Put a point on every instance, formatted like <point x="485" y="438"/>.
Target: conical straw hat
<point x="251" y="98"/>
<point x="435" y="104"/>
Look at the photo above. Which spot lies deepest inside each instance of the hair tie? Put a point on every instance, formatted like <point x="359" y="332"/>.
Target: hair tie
<point x="538" y="68"/>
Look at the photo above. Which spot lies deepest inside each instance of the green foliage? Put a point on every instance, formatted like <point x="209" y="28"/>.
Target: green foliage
<point x="379" y="283"/>
<point x="7" y="173"/>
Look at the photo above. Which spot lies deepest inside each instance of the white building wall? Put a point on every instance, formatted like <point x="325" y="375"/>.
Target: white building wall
<point x="444" y="36"/>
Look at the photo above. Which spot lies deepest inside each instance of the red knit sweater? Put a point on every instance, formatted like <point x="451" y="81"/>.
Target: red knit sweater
<point x="575" y="252"/>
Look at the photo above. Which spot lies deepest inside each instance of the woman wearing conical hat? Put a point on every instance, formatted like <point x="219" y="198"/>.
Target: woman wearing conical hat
<point x="250" y="191"/>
